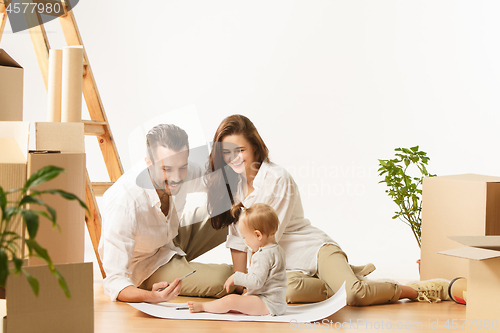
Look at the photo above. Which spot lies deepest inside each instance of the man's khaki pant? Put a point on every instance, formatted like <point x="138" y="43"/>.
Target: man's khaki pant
<point x="333" y="270"/>
<point x="195" y="239"/>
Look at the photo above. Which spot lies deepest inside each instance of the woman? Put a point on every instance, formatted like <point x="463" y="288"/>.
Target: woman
<point x="240" y="171"/>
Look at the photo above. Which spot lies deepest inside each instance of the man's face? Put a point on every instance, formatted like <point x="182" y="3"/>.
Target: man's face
<point x="169" y="169"/>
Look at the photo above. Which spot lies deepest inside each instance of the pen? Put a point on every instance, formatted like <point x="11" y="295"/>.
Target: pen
<point x="180" y="279"/>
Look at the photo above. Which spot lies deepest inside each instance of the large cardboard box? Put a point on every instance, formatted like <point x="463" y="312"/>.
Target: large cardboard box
<point x="456" y="205"/>
<point x="66" y="246"/>
<point x="13" y="154"/>
<point x="64" y="137"/>
<point x="483" y="283"/>
<point x="51" y="311"/>
<point x="11" y="88"/>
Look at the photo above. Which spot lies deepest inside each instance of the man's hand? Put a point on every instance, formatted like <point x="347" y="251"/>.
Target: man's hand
<point x="168" y="293"/>
<point x="136" y="295"/>
<point x="229" y="283"/>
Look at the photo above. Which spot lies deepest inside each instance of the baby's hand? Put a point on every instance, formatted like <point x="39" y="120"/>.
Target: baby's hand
<point x="229" y="283"/>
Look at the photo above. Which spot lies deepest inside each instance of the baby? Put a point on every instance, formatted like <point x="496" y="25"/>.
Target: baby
<point x="266" y="277"/>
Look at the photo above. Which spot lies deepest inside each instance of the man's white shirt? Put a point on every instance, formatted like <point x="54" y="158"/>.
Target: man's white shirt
<point x="136" y="237"/>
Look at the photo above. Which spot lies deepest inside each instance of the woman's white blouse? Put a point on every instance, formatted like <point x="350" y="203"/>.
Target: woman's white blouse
<point x="274" y="186"/>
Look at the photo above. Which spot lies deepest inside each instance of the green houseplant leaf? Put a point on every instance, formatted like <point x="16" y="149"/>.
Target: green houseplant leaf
<point x="404" y="189"/>
<point x="28" y="195"/>
<point x="41" y="176"/>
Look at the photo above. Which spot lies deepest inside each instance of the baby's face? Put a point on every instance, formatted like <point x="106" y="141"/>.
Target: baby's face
<point x="251" y="239"/>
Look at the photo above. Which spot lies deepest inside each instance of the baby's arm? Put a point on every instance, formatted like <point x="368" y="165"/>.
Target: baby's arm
<point x="257" y="273"/>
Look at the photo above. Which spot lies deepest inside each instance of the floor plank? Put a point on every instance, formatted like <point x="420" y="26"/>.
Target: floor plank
<point x="407" y="316"/>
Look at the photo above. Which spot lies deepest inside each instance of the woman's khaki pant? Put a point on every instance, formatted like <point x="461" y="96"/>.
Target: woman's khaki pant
<point x="195" y="239"/>
<point x="333" y="270"/>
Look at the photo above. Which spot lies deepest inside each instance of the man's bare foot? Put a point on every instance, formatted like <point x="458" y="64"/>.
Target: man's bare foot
<point x="195" y="307"/>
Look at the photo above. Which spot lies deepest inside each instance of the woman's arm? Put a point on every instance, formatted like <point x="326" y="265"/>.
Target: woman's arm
<point x="239" y="264"/>
<point x="283" y="197"/>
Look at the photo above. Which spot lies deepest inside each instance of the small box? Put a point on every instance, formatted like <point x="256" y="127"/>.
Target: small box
<point x="63" y="137"/>
<point x="66" y="246"/>
<point x="455" y="205"/>
<point x="14" y="137"/>
<point x="483" y="282"/>
<point x="11" y="88"/>
<point x="51" y="311"/>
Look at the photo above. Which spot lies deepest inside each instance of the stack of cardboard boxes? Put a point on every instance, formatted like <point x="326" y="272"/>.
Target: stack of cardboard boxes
<point x="464" y="205"/>
<point x="62" y="145"/>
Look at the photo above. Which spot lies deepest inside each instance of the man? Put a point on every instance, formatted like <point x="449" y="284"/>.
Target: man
<point x="142" y="247"/>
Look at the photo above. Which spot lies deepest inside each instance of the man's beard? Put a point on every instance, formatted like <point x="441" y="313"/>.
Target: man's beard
<point x="167" y="188"/>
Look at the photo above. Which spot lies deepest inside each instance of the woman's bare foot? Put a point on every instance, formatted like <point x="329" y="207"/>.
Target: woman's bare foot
<point x="196" y="307"/>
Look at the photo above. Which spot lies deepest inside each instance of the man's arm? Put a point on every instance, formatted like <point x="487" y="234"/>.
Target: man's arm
<point x="116" y="249"/>
<point x="134" y="294"/>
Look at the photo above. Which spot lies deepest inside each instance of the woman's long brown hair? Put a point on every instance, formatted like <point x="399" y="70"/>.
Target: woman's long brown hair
<point x="221" y="180"/>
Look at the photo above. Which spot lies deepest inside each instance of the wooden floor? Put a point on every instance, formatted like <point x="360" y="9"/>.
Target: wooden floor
<point x="404" y="316"/>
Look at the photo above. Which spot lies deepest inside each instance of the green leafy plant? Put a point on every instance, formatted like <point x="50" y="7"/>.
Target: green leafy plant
<point x="404" y="189"/>
<point x="10" y="240"/>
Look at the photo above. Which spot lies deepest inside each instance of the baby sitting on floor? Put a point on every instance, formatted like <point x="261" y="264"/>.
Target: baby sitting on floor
<point x="266" y="277"/>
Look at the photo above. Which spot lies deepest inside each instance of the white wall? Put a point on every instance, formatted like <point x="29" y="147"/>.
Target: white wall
<point x="331" y="85"/>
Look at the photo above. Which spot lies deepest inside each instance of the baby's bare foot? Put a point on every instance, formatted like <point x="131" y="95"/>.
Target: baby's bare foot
<point x="195" y="307"/>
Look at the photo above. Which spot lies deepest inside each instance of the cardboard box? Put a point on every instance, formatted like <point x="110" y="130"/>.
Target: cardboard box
<point x="483" y="283"/>
<point x="64" y="137"/>
<point x="456" y="205"/>
<point x="51" y="311"/>
<point x="66" y="246"/>
<point x="11" y="88"/>
<point x="14" y="138"/>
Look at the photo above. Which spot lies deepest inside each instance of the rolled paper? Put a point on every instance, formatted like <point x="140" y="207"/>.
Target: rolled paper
<point x="458" y="290"/>
<point x="55" y="83"/>
<point x="72" y="79"/>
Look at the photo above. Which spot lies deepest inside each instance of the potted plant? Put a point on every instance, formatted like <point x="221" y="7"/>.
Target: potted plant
<point x="404" y="183"/>
<point x="10" y="239"/>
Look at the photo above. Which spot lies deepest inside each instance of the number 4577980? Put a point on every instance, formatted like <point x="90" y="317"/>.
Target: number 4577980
<point x="471" y="323"/>
<point x="29" y="7"/>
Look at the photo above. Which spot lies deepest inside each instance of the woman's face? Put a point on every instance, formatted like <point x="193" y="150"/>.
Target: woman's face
<point x="238" y="153"/>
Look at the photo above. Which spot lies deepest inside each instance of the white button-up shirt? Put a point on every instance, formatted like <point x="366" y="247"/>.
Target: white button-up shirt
<point x="136" y="237"/>
<point x="274" y="186"/>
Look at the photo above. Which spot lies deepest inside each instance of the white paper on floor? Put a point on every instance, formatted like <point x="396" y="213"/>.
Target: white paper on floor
<point x="300" y="313"/>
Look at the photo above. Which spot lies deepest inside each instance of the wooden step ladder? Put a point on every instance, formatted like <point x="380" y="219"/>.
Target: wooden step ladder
<point x="98" y="126"/>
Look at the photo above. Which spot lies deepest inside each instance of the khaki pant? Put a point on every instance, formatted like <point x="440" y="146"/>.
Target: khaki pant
<point x="195" y="239"/>
<point x="333" y="270"/>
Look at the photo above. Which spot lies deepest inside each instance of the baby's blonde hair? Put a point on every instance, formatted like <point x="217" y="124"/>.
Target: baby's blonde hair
<point x="259" y="216"/>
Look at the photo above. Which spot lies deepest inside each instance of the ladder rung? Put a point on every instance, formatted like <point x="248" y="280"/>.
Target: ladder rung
<point x="93" y="127"/>
<point x="100" y="188"/>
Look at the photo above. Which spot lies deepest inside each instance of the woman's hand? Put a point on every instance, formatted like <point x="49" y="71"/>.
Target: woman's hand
<point x="229" y="283"/>
<point x="163" y="292"/>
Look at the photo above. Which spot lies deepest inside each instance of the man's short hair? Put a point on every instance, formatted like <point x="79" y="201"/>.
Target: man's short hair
<point x="168" y="136"/>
